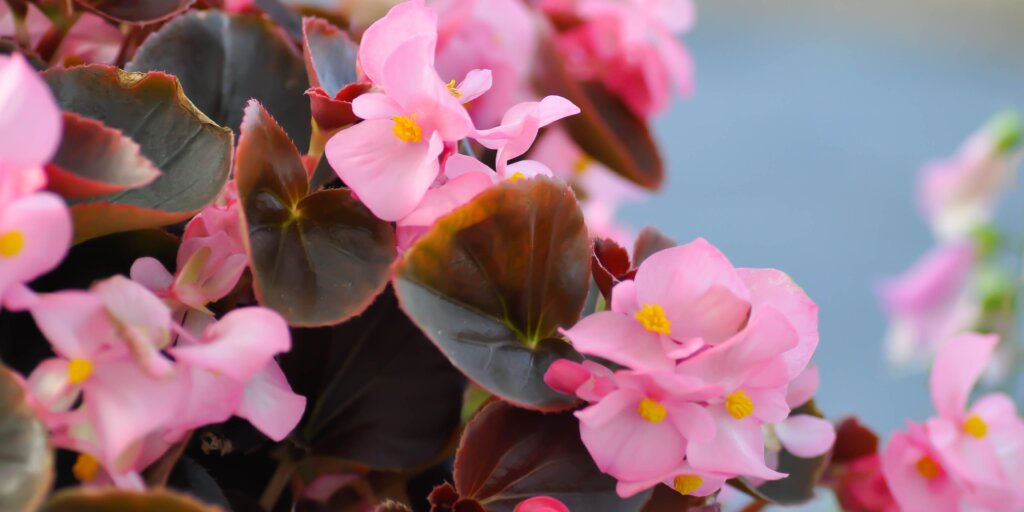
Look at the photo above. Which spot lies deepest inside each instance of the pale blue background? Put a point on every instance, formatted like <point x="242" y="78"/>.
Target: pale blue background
<point x="800" y="147"/>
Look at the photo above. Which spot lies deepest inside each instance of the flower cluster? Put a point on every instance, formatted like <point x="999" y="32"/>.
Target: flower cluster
<point x="133" y="371"/>
<point x="712" y="357"/>
<point x="967" y="457"/>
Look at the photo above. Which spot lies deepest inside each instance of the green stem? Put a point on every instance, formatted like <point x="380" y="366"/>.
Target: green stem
<point x="278" y="482"/>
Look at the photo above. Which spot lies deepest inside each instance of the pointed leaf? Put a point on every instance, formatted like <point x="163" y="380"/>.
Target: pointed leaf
<point x="224" y="60"/>
<point x="192" y="152"/>
<point x="95" y="160"/>
<point x="26" y="460"/>
<point x="78" y="499"/>
<point x="318" y="259"/>
<point x="330" y="55"/>
<point x="380" y="394"/>
<point x="136" y="11"/>
<point x="648" y="242"/>
<point x="491" y="282"/>
<point x="509" y="454"/>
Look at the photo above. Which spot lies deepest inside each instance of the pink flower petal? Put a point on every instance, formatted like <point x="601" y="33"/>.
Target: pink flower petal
<point x="370" y="159"/>
<point x="39" y="226"/>
<point x="29" y="117"/>
<point x="541" y="504"/>
<point x="775" y="288"/>
<point x="803" y="388"/>
<point x="699" y="290"/>
<point x="806" y="436"/>
<point x="909" y="487"/>
<point x="75" y="323"/>
<point x="240" y="344"/>
<point x="442" y="200"/>
<point x="737" y="448"/>
<point x="270" y="404"/>
<point x="405" y="21"/>
<point x="149" y="272"/>
<point x="621" y="339"/>
<point x="957" y="367"/>
<point x="624" y="298"/>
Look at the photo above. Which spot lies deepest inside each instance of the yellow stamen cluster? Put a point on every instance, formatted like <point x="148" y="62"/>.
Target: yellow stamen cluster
<point x="976" y="426"/>
<point x="928" y="468"/>
<point x="452" y="89"/>
<point x="407" y="129"/>
<point x="517" y="176"/>
<point x="86" y="467"/>
<point x="582" y="163"/>
<point x="11" y="244"/>
<point x="739" y="404"/>
<point x="652" y="411"/>
<point x="79" y="370"/>
<point x="687" y="484"/>
<point x="652" y="317"/>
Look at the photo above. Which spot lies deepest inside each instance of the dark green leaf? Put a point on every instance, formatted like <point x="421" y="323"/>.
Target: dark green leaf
<point x="318" y="259"/>
<point x="666" y="499"/>
<point x="380" y="393"/>
<point x="95" y="160"/>
<point x="115" y="500"/>
<point x="224" y="60"/>
<point x="648" y="242"/>
<point x="192" y="152"/>
<point x="508" y="455"/>
<point x="26" y="460"/>
<point x="136" y="11"/>
<point x="491" y="282"/>
<point x="605" y="129"/>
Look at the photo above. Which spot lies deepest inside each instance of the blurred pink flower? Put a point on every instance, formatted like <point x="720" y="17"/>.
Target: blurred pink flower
<point x="499" y="35"/>
<point x="960" y="194"/>
<point x="916" y="476"/>
<point x="518" y="131"/>
<point x="804" y="435"/>
<point x="861" y="486"/>
<point x="929" y="303"/>
<point x="91" y="39"/>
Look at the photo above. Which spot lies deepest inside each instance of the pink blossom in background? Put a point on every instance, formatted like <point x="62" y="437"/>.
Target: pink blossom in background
<point x="929" y="303"/>
<point x="35" y="227"/>
<point x="632" y="47"/>
<point x="960" y="194"/>
<point x="405" y="126"/>
<point x="499" y="35"/>
<point x="966" y="457"/>
<point x="90" y="40"/>
<point x="541" y="504"/>
<point x="804" y="435"/>
<point x="862" y="486"/>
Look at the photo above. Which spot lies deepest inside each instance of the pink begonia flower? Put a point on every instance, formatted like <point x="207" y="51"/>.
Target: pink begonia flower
<point x="633" y="49"/>
<point x="518" y="131"/>
<point x="682" y="298"/>
<point x="107" y="343"/>
<point x="35" y="227"/>
<point x="210" y="261"/>
<point x="466" y="178"/>
<point x="232" y="369"/>
<point x="917" y="478"/>
<point x="753" y="378"/>
<point x="541" y="504"/>
<point x="684" y="479"/>
<point x="960" y="194"/>
<point x="390" y="159"/>
<point x="643" y="428"/>
<point x="499" y="35"/>
<point x="929" y="303"/>
<point x="804" y="435"/>
<point x="983" y="444"/>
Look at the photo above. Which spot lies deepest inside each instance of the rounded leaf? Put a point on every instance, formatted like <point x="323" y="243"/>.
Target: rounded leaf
<point x="192" y="152"/>
<point x="492" y="281"/>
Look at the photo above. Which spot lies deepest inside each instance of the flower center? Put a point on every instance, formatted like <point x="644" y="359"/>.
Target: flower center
<point x="652" y="317"/>
<point x="79" y="370"/>
<point x="517" y="176"/>
<point x="687" y="484"/>
<point x="582" y="163"/>
<point x="452" y="89"/>
<point x="976" y="426"/>
<point x="407" y="129"/>
<point x="11" y="244"/>
<point x="739" y="404"/>
<point x="86" y="467"/>
<point x="652" y="411"/>
<point x="928" y="468"/>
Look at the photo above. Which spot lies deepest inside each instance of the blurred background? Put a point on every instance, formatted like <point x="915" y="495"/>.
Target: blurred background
<point x="800" y="148"/>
